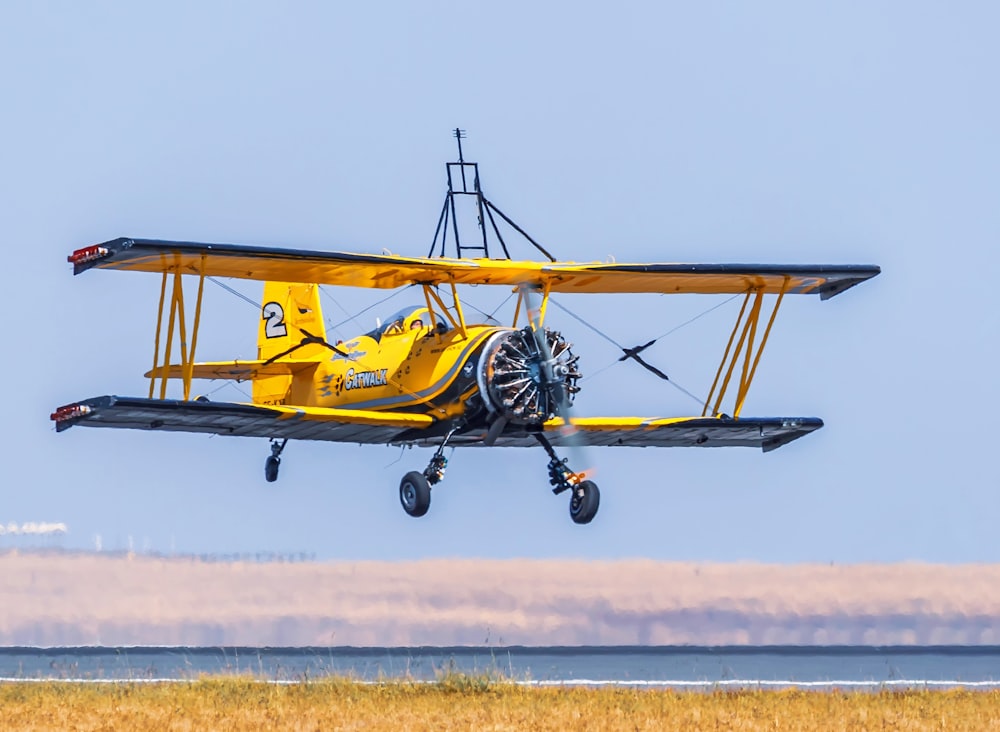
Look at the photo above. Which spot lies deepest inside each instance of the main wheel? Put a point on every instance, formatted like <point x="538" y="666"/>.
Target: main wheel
<point x="585" y="502"/>
<point x="415" y="493"/>
<point x="271" y="468"/>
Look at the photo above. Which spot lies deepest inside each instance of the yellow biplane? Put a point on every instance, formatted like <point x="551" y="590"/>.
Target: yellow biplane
<point x="427" y="376"/>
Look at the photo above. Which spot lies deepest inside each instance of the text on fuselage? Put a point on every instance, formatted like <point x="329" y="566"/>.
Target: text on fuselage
<point x="365" y="379"/>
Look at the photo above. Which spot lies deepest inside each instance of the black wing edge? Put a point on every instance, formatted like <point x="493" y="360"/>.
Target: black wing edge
<point x="124" y="249"/>
<point x="840" y="277"/>
<point x="101" y="412"/>
<point x="218" y="418"/>
<point x="834" y="288"/>
<point x="766" y="433"/>
<point x="793" y="430"/>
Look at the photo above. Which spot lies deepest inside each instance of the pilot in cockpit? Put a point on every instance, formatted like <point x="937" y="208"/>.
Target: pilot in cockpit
<point x="413" y="318"/>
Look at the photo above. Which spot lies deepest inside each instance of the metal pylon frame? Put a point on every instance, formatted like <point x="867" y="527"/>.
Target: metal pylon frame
<point x="459" y="173"/>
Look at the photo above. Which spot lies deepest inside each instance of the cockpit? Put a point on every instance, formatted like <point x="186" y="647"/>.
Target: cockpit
<point x="412" y="318"/>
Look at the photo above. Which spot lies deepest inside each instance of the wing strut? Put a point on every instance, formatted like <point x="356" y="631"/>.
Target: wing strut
<point x="459" y="324"/>
<point x="176" y="316"/>
<point x="747" y="338"/>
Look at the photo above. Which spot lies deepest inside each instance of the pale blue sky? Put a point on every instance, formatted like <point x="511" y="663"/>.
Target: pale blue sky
<point x="774" y="132"/>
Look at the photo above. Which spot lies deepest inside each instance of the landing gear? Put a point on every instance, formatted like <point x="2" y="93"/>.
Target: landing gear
<point x="585" y="502"/>
<point x="586" y="497"/>
<point x="274" y="460"/>
<point x="415" y="488"/>
<point x="415" y="494"/>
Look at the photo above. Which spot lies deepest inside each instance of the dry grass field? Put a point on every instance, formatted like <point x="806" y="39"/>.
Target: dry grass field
<point x="464" y="703"/>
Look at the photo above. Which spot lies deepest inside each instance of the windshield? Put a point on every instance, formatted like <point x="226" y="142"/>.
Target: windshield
<point x="412" y="317"/>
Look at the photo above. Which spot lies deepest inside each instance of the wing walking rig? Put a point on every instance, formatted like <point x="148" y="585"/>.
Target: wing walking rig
<point x="428" y="376"/>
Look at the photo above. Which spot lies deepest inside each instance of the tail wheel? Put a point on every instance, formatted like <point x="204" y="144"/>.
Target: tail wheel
<point x="585" y="502"/>
<point x="415" y="494"/>
<point x="274" y="461"/>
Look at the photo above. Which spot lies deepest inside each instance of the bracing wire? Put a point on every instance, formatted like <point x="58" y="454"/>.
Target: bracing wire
<point x="257" y="305"/>
<point x="685" y="391"/>
<point x="373" y="305"/>
<point x="671" y="381"/>
<point x="344" y="310"/>
<point x="699" y="315"/>
<point x="489" y="316"/>
<point x="234" y="291"/>
<point x="223" y="385"/>
<point x="633" y="353"/>
<point x="676" y="328"/>
<point x="497" y="308"/>
<point x="240" y="390"/>
<point x="583" y="322"/>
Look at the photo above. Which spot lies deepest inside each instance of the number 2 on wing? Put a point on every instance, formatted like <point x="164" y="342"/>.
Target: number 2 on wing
<point x="274" y="317"/>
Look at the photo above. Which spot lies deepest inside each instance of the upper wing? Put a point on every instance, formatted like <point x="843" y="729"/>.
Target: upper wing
<point x="246" y="420"/>
<point x="767" y="433"/>
<point x="390" y="271"/>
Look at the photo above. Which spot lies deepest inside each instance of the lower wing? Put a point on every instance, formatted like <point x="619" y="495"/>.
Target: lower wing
<point x="380" y="428"/>
<point x="242" y="420"/>
<point x="766" y="433"/>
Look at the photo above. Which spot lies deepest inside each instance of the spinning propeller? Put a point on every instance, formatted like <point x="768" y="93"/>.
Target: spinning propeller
<point x="557" y="376"/>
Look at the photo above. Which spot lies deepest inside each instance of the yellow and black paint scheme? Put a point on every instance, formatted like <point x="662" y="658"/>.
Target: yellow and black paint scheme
<point x="414" y="362"/>
<point x="421" y="360"/>
<point x="425" y="376"/>
<point x="405" y="384"/>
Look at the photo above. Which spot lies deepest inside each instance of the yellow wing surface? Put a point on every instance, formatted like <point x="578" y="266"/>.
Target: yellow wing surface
<point x="235" y="370"/>
<point x="391" y="271"/>
<point x="367" y="427"/>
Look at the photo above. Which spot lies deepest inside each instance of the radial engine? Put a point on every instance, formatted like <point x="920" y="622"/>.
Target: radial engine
<point x="521" y="382"/>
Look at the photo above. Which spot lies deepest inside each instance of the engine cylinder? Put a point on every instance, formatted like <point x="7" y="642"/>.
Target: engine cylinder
<point x="521" y="382"/>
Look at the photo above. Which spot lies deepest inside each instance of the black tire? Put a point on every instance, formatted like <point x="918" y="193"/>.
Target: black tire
<point x="415" y="494"/>
<point x="271" y="468"/>
<point x="583" y="508"/>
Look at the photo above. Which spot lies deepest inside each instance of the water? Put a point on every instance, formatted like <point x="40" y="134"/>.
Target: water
<point x="675" y="666"/>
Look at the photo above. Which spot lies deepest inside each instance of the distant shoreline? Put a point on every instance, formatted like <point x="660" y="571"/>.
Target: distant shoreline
<point x="376" y="651"/>
<point x="55" y="598"/>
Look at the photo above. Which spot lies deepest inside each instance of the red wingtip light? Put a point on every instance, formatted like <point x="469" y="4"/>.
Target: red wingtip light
<point x="70" y="411"/>
<point x="87" y="254"/>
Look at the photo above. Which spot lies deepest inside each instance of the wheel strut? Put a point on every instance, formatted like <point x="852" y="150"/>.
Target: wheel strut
<point x="434" y="472"/>
<point x="561" y="478"/>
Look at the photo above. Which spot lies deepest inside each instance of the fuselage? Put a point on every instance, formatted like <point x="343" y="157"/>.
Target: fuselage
<point x="407" y="364"/>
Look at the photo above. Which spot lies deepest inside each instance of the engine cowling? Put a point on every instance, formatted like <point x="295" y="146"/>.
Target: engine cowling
<point x="512" y="379"/>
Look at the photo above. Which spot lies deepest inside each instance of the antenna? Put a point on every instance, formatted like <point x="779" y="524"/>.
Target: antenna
<point x="459" y="134"/>
<point x="484" y="207"/>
